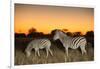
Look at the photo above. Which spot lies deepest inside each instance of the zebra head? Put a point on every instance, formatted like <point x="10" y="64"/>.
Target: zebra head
<point x="56" y="35"/>
<point x="59" y="35"/>
<point x="27" y="53"/>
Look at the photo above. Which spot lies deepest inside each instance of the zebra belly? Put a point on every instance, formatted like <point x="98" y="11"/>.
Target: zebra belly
<point x="73" y="47"/>
<point x="41" y="47"/>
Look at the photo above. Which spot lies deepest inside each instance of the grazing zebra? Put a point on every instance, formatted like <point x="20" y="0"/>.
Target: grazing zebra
<point x="70" y="42"/>
<point x="38" y="44"/>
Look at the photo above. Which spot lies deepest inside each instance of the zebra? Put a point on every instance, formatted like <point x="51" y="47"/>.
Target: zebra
<point x="37" y="44"/>
<point x="70" y="42"/>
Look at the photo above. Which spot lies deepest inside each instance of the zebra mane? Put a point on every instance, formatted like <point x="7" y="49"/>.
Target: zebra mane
<point x="63" y="34"/>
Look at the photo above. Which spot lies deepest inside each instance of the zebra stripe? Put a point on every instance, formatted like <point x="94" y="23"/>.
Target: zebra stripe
<point x="70" y="42"/>
<point x="74" y="41"/>
<point x="44" y="43"/>
<point x="77" y="41"/>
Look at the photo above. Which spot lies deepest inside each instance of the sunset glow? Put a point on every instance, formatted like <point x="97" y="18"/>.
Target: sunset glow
<point x="47" y="18"/>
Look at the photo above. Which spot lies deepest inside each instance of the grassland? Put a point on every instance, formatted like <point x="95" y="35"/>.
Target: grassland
<point x="58" y="52"/>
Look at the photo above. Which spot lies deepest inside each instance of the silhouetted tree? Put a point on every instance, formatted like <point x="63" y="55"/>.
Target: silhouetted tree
<point x="32" y="30"/>
<point x="90" y="34"/>
<point x="33" y="33"/>
<point x="69" y="34"/>
<point x="90" y="37"/>
<point x="65" y="30"/>
<point x="77" y="34"/>
<point x="20" y="35"/>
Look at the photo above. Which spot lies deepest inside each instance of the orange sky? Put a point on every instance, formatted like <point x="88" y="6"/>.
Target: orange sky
<point x="47" y="18"/>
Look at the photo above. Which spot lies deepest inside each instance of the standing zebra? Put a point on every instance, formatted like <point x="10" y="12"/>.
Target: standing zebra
<point x="38" y="44"/>
<point x="70" y="42"/>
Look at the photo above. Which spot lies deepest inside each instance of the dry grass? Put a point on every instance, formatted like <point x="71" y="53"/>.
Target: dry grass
<point x="57" y="49"/>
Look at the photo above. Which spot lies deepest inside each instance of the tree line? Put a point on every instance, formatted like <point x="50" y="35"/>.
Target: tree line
<point x="33" y="33"/>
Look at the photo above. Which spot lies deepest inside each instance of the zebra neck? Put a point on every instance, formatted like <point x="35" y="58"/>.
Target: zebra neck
<point x="29" y="48"/>
<point x="64" y="38"/>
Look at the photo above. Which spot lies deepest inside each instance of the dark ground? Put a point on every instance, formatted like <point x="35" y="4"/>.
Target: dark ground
<point x="58" y="52"/>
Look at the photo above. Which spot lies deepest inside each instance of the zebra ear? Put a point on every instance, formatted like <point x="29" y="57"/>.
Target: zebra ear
<point x="61" y="32"/>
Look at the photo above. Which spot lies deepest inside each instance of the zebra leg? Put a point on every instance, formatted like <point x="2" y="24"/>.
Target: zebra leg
<point x="47" y="52"/>
<point x="38" y="53"/>
<point x="36" y="50"/>
<point x="66" y="49"/>
<point x="50" y="52"/>
<point x="83" y="50"/>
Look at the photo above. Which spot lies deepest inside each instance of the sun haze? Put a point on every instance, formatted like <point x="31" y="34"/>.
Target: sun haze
<point x="47" y="18"/>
